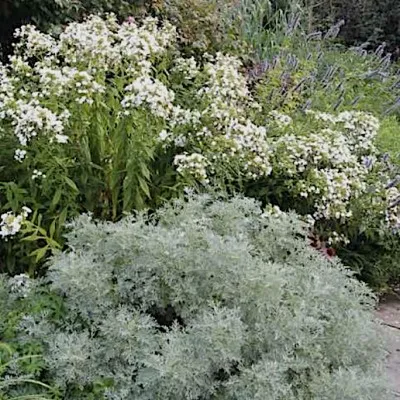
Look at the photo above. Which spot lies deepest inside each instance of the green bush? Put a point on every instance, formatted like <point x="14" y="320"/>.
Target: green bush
<point x="306" y="70"/>
<point x="200" y="23"/>
<point x="372" y="21"/>
<point x="207" y="299"/>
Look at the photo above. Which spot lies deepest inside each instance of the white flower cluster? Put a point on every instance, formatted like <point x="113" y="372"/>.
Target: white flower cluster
<point x="6" y="90"/>
<point x="220" y="127"/>
<point x="226" y="89"/>
<point x="280" y="119"/>
<point x="336" y="238"/>
<point x="328" y="166"/>
<point x="224" y="80"/>
<point x="78" y="85"/>
<point x="105" y="44"/>
<point x="181" y="116"/>
<point x="137" y="43"/>
<point x="10" y="224"/>
<point x="392" y="214"/>
<point x="33" y="43"/>
<point x="192" y="164"/>
<point x="338" y="188"/>
<point x="150" y="92"/>
<point x="249" y="145"/>
<point x="38" y="175"/>
<point x="360" y="128"/>
<point x="90" y="42"/>
<point x="48" y="76"/>
<point x="272" y="211"/>
<point x="239" y="142"/>
<point x="30" y="118"/>
<point x="19" y="155"/>
<point x="187" y="67"/>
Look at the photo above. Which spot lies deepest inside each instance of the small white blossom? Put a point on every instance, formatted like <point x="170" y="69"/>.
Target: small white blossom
<point x="38" y="175"/>
<point x="61" y="138"/>
<point x="10" y="223"/>
<point x="145" y="91"/>
<point x="281" y="119"/>
<point x="193" y="164"/>
<point x="19" y="155"/>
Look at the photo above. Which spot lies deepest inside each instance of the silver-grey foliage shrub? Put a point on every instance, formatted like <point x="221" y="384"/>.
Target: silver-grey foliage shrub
<point x="209" y="299"/>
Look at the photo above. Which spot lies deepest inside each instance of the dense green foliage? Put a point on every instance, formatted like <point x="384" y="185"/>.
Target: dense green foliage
<point x="110" y="117"/>
<point x="372" y="21"/>
<point x="206" y="299"/>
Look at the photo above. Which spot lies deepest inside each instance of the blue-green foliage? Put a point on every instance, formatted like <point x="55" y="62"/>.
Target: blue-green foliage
<point x="207" y="299"/>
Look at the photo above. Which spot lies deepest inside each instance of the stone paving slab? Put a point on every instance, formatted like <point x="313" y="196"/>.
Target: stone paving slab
<point x="393" y="360"/>
<point x="389" y="313"/>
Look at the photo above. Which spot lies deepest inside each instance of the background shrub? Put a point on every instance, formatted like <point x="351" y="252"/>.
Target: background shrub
<point x="366" y="20"/>
<point x="207" y="299"/>
<point x="200" y="23"/>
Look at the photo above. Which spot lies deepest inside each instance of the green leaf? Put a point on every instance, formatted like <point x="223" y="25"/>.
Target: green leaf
<point x="52" y="228"/>
<point x="56" y="198"/>
<point x="31" y="238"/>
<point x="53" y="243"/>
<point x="71" y="184"/>
<point x="144" y="186"/>
<point x="39" y="253"/>
<point x="63" y="217"/>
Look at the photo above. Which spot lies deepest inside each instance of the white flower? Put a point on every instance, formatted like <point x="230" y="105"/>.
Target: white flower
<point x="281" y="119"/>
<point x="149" y="92"/>
<point x="10" y="224"/>
<point x="187" y="67"/>
<point x="38" y="174"/>
<point x="163" y="135"/>
<point x="19" y="155"/>
<point x="193" y="164"/>
<point x="61" y="138"/>
<point x="30" y="119"/>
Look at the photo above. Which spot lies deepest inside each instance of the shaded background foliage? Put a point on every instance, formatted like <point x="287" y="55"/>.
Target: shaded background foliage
<point x="373" y="21"/>
<point x="365" y="20"/>
<point x="47" y="14"/>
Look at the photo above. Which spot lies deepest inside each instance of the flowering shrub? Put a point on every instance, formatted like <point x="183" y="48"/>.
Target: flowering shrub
<point x="80" y="116"/>
<point x="110" y="117"/>
<point x="206" y="299"/>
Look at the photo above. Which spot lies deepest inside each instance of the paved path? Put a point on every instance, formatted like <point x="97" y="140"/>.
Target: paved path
<point x="389" y="313"/>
